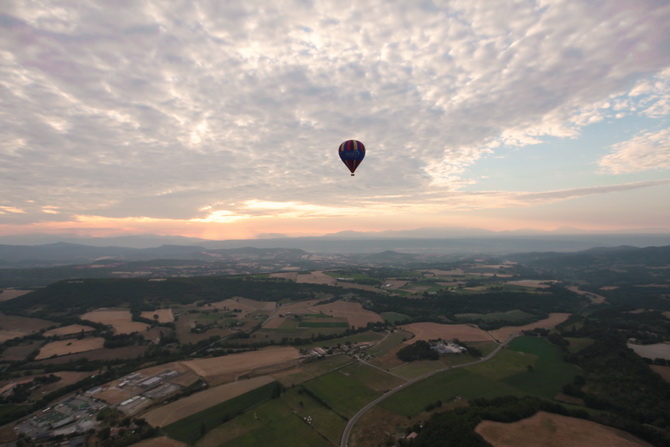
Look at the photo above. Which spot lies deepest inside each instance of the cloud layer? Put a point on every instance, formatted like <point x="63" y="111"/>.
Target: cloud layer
<point x="219" y="111"/>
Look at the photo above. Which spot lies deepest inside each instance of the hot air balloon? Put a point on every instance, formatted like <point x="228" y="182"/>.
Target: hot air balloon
<point x="352" y="153"/>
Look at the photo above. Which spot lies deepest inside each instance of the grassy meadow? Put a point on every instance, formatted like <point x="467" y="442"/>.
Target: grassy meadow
<point x="191" y="428"/>
<point x="530" y="365"/>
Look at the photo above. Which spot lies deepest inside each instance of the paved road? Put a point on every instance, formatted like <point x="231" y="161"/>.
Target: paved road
<point x="344" y="441"/>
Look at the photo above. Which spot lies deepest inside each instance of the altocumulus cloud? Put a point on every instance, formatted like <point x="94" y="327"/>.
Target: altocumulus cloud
<point x="648" y="151"/>
<point x="210" y="109"/>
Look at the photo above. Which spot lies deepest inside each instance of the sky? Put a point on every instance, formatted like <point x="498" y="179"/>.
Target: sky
<point x="222" y="120"/>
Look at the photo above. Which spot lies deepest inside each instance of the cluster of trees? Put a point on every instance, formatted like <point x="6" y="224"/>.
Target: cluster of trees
<point x="419" y="350"/>
<point x="444" y="306"/>
<point x="620" y="383"/>
<point x="457" y="427"/>
<point x="21" y="392"/>
<point x="141" y="294"/>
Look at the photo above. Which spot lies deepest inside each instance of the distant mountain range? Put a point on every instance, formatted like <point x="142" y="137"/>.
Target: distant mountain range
<point x="641" y="238"/>
<point x="73" y="250"/>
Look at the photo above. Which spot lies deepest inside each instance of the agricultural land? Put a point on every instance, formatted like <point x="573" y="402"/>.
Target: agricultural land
<point x="325" y="350"/>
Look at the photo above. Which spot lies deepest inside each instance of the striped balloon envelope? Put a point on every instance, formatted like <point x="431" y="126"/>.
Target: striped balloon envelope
<point x="352" y="153"/>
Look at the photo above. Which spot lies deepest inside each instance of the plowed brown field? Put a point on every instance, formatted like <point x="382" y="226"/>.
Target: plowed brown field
<point x="553" y="430"/>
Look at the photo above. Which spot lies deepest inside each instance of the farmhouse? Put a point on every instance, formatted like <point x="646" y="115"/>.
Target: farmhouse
<point x="443" y="348"/>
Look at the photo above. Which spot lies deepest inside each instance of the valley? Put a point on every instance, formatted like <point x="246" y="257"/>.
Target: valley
<point x="291" y="357"/>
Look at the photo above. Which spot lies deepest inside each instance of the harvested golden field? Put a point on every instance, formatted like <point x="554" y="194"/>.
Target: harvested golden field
<point x="228" y="368"/>
<point x="27" y="325"/>
<point x="506" y="332"/>
<point x="595" y="298"/>
<point x="68" y="330"/>
<point x="65" y="347"/>
<point x="430" y="331"/>
<point x="67" y="378"/>
<point x="554" y="430"/>
<point x="273" y="323"/>
<point x="353" y="312"/>
<point x="315" y="278"/>
<point x="20" y="351"/>
<point x="197" y="402"/>
<point x="12" y="326"/>
<point x="8" y="335"/>
<point x="160" y="315"/>
<point x="127" y="352"/>
<point x="120" y="320"/>
<point x="10" y="294"/>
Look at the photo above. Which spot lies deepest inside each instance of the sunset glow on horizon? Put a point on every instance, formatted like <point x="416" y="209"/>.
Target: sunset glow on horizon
<point x="220" y="121"/>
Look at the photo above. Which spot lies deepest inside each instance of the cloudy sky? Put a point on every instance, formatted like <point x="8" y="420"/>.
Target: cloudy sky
<point x="222" y="119"/>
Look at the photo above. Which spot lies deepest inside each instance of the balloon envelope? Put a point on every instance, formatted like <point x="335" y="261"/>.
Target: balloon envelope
<point x="352" y="153"/>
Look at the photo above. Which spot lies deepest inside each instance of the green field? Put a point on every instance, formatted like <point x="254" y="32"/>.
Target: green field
<point x="394" y="317"/>
<point x="445" y="386"/>
<point x="343" y="394"/>
<point x="577" y="344"/>
<point x="418" y="368"/>
<point x="289" y="329"/>
<point x="193" y="427"/>
<point x="530" y="365"/>
<point x="272" y="423"/>
<point x="506" y="363"/>
<point x="323" y="420"/>
<point x="549" y="373"/>
<point x="371" y="377"/>
<point x="314" y="369"/>
<point x="391" y="342"/>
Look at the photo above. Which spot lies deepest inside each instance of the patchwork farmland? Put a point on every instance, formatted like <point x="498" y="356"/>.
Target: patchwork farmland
<point x="295" y="356"/>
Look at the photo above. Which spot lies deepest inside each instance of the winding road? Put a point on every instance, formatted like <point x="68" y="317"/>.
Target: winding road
<point x="344" y="441"/>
